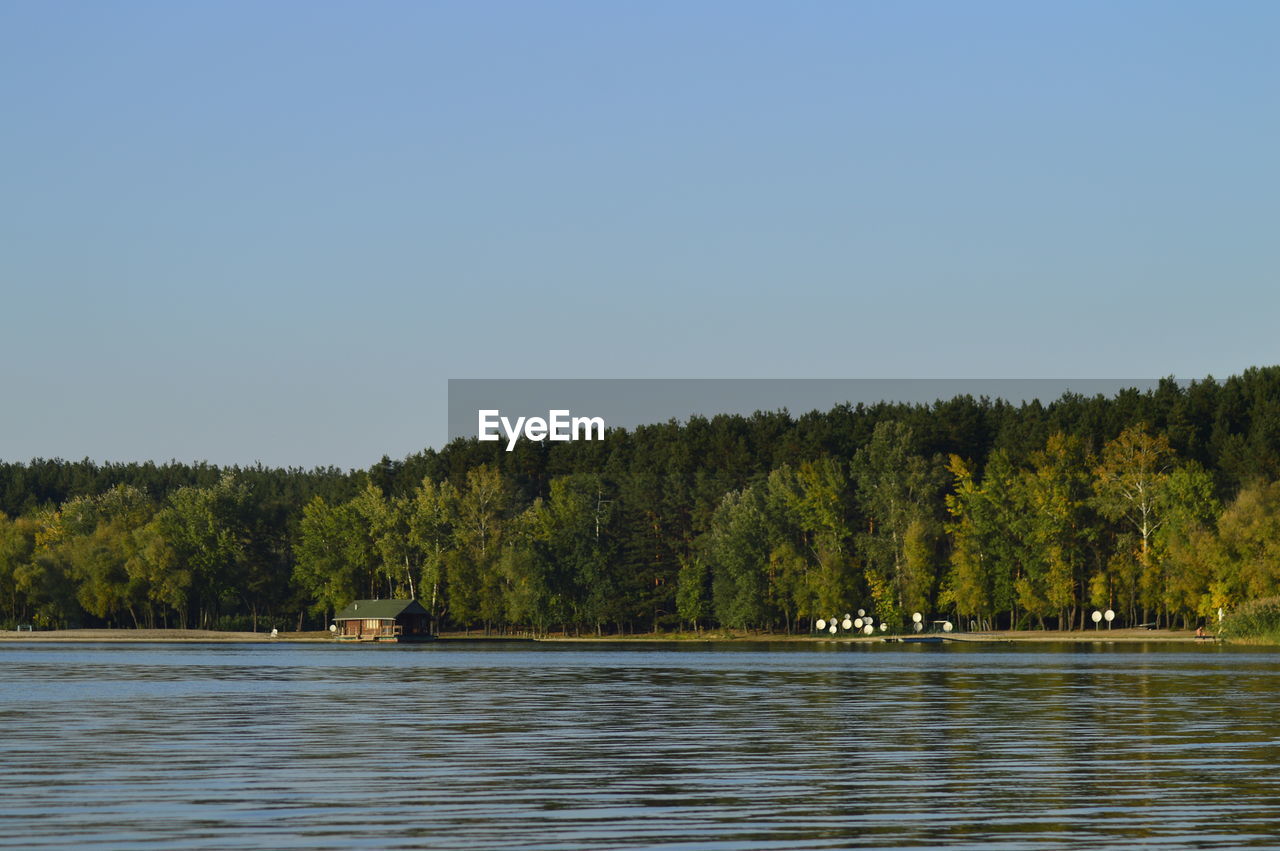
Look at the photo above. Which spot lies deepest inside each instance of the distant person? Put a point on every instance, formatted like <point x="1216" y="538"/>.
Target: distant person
<point x="1200" y="633"/>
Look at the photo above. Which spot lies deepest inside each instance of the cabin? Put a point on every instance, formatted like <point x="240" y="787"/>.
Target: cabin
<point x="383" y="620"/>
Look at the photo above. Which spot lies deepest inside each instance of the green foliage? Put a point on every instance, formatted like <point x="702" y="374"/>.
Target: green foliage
<point x="207" y="528"/>
<point x="693" y="593"/>
<point x="1056" y="493"/>
<point x="988" y="532"/>
<point x="1185" y="542"/>
<point x="322" y="568"/>
<point x="738" y="548"/>
<point x="432" y="516"/>
<point x="806" y="512"/>
<point x="1256" y="621"/>
<point x="768" y="521"/>
<point x="899" y="492"/>
<point x="1247" y="547"/>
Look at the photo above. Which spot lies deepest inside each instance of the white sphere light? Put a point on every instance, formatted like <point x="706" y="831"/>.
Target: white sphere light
<point x="861" y="612"/>
<point x="1109" y="615"/>
<point x="917" y="617"/>
<point x="821" y="624"/>
<point x="1097" y="616"/>
<point x="946" y="626"/>
<point x="846" y="624"/>
<point x="883" y="626"/>
<point x="832" y="629"/>
<point x="868" y="629"/>
<point x="858" y="623"/>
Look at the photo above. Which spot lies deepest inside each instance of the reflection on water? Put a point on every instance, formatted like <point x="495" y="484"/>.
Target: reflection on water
<point x="638" y="745"/>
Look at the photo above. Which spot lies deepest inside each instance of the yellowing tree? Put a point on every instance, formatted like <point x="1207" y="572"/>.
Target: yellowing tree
<point x="1129" y="485"/>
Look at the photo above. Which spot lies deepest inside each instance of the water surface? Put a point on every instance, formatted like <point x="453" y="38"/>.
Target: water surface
<point x="632" y="745"/>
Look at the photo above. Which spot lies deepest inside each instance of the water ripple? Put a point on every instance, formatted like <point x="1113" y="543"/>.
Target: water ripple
<point x="634" y="746"/>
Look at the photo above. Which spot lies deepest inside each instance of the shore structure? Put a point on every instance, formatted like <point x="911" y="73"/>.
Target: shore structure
<point x="383" y="620"/>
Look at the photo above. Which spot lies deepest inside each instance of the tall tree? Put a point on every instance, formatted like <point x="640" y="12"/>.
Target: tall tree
<point x="98" y="543"/>
<point x="1191" y="511"/>
<point x="484" y="510"/>
<point x="1129" y="483"/>
<point x="387" y="523"/>
<point x="17" y="546"/>
<point x="900" y="493"/>
<point x="1248" y="546"/>
<point x="807" y="514"/>
<point x="322" y="566"/>
<point x="576" y="522"/>
<point x="44" y="580"/>
<point x="969" y="583"/>
<point x="738" y="549"/>
<point x="1058" y="490"/>
<point x="693" y="591"/>
<point x="206" y="529"/>
<point x="432" y="516"/>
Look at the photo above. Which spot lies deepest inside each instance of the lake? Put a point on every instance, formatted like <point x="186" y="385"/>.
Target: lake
<point x="639" y="745"/>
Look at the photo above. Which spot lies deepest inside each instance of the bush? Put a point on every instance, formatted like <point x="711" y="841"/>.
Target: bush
<point x="237" y="623"/>
<point x="1257" y="620"/>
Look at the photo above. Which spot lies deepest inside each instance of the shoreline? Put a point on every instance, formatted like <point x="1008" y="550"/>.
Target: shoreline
<point x="162" y="636"/>
<point x="1135" y="636"/>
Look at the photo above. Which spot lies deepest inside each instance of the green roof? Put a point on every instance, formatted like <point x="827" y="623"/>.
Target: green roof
<point x="389" y="609"/>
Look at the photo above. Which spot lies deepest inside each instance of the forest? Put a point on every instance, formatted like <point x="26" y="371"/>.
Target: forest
<point x="1163" y="505"/>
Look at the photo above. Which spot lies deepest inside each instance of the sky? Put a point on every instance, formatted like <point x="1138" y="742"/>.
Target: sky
<point x="253" y="232"/>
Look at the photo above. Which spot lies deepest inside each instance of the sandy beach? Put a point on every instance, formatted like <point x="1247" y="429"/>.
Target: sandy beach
<point x="205" y="635"/>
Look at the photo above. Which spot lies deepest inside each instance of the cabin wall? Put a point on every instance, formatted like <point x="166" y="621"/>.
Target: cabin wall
<point x="368" y="628"/>
<point x="414" y="624"/>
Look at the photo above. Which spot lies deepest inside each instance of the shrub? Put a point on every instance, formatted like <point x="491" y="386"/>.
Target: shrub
<point x="1257" y="620"/>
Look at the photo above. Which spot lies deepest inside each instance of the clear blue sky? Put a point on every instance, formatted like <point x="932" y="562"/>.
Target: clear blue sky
<point x="243" y="231"/>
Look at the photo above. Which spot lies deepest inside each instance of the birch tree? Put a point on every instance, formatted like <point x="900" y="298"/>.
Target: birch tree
<point x="1129" y="483"/>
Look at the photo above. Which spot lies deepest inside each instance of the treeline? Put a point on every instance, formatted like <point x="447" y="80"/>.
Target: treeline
<point x="152" y="545"/>
<point x="1162" y="505"/>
